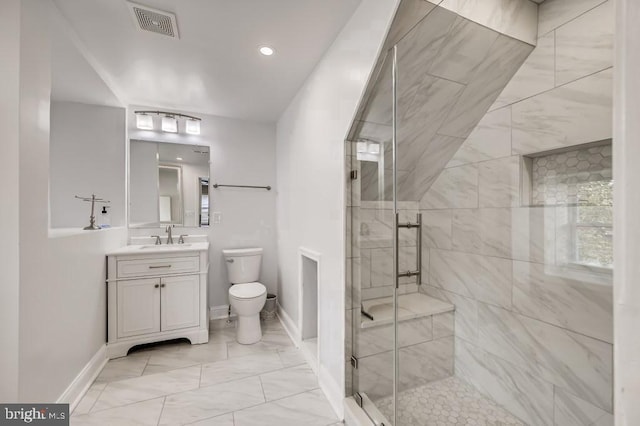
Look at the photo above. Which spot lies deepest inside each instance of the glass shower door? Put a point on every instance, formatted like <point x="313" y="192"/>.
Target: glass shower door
<point x="371" y="237"/>
<point x="385" y="258"/>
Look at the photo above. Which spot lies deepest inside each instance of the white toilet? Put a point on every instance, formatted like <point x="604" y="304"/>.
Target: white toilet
<point x="246" y="295"/>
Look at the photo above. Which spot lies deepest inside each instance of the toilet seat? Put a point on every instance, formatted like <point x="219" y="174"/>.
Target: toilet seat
<point x="247" y="290"/>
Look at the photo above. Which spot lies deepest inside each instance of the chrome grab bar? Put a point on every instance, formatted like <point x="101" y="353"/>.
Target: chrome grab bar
<point x="409" y="225"/>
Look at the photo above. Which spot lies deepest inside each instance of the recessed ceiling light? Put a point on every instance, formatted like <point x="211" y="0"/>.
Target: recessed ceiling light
<point x="179" y="158"/>
<point x="266" y="50"/>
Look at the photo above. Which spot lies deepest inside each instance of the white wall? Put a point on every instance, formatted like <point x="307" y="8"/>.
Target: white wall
<point x="241" y="152"/>
<point x="9" y="211"/>
<point x="87" y="157"/>
<point x="62" y="298"/>
<point x="311" y="178"/>
<point x="626" y="174"/>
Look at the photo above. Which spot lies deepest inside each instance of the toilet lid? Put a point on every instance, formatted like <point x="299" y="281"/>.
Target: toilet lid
<point x="247" y="290"/>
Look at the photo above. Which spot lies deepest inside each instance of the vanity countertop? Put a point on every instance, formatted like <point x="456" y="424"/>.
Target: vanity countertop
<point x="155" y="249"/>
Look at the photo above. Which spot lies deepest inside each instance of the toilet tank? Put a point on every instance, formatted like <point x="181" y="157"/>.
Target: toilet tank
<point x="243" y="265"/>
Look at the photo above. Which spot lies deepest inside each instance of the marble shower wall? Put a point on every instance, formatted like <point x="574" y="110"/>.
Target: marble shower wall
<point x="452" y="65"/>
<point x="533" y="331"/>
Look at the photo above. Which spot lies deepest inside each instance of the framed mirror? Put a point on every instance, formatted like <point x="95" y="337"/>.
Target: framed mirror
<point x="168" y="184"/>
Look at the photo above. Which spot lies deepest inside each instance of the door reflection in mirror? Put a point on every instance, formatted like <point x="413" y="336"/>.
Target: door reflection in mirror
<point x="204" y="201"/>
<point x="168" y="184"/>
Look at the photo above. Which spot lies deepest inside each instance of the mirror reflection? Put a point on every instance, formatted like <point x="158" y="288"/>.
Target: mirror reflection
<point x="168" y="184"/>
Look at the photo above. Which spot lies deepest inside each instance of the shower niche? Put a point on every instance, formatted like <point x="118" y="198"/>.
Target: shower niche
<point x="574" y="188"/>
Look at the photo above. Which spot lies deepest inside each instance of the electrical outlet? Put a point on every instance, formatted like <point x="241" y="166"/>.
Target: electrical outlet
<point x="217" y="217"/>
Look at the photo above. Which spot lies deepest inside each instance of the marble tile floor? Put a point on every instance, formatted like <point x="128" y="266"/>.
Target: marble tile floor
<point x="221" y="383"/>
<point x="447" y="402"/>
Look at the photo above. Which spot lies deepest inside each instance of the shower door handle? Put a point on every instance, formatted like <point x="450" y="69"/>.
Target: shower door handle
<point x="409" y="225"/>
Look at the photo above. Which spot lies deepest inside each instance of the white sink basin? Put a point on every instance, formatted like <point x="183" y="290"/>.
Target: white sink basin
<point x="165" y="246"/>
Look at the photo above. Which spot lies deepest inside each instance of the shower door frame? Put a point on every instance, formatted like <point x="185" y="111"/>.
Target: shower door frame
<point x="397" y="274"/>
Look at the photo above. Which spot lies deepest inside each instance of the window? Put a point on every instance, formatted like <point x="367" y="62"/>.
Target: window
<point x="578" y="183"/>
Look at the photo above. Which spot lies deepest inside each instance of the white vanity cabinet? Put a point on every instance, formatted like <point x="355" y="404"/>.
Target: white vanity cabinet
<point x="155" y="295"/>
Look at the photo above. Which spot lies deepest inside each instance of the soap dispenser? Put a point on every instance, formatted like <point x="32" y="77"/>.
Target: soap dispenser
<point x="105" y="218"/>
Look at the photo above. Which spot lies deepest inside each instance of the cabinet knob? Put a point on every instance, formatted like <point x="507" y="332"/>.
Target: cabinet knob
<point x="162" y="285"/>
<point x="157" y="285"/>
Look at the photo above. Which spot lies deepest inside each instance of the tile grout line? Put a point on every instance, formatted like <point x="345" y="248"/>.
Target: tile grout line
<point x="262" y="388"/>
<point x="572" y="19"/>
<point x="518" y="312"/>
<point x="279" y="399"/>
<point x="98" y="397"/>
<point x="146" y="364"/>
<point x="258" y="405"/>
<point x="591" y="74"/>
<point x="164" y="400"/>
<point x="144" y="400"/>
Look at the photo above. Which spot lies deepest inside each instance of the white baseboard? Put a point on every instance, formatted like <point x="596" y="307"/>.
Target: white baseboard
<point x="76" y="390"/>
<point x="311" y="358"/>
<point x="289" y="326"/>
<point x="332" y="390"/>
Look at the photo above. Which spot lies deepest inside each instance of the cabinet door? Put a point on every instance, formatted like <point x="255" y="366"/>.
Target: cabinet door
<point x="138" y="307"/>
<point x="180" y="302"/>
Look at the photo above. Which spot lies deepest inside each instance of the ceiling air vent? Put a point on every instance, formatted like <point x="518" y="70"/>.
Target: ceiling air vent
<point x="154" y="20"/>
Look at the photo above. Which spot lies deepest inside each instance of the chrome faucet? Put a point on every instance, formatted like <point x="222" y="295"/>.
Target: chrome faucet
<point x="158" y="241"/>
<point x="169" y="236"/>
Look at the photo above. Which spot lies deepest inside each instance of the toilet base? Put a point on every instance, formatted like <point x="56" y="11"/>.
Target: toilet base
<point x="248" y="330"/>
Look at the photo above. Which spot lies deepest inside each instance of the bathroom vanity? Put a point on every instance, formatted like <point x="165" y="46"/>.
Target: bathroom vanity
<point x="155" y="293"/>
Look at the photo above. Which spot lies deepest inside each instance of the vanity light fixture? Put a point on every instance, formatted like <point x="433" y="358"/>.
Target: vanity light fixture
<point x="179" y="158"/>
<point x="192" y="127"/>
<point x="169" y="124"/>
<point x="266" y="50"/>
<point x="144" y="121"/>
